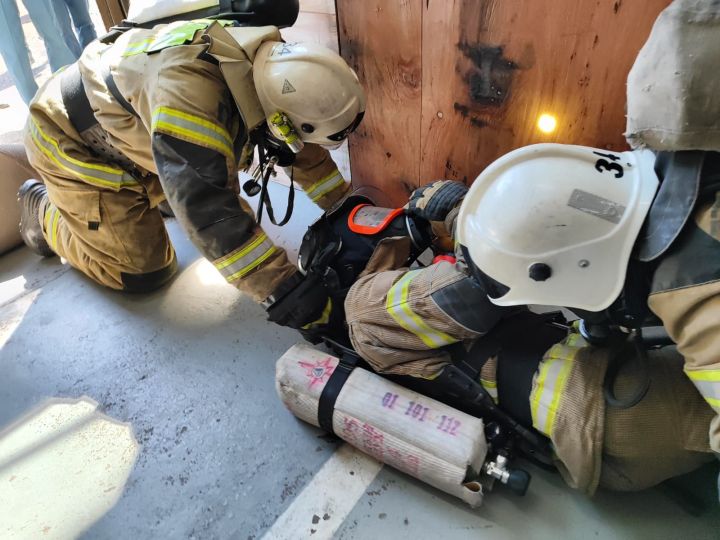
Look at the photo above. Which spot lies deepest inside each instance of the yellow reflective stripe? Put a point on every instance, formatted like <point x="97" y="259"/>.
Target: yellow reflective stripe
<point x="398" y="308"/>
<point x="239" y="253"/>
<point x="538" y="391"/>
<point x="252" y="266"/>
<point x="137" y="47"/>
<point x="195" y="128"/>
<point x="562" y="380"/>
<point x="704" y="375"/>
<point x="714" y="402"/>
<point x="240" y="262"/>
<point x="53" y="234"/>
<point x="707" y="381"/>
<point x="47" y="217"/>
<point x="93" y="173"/>
<point x="325" y="185"/>
<point x="324" y="318"/>
<point x="491" y="388"/>
<point x="551" y="381"/>
<point x="51" y="218"/>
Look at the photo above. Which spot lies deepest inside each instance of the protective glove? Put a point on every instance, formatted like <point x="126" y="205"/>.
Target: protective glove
<point x="299" y="301"/>
<point x="434" y="201"/>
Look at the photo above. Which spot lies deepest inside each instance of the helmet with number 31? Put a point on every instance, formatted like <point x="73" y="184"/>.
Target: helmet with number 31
<point x="555" y="224"/>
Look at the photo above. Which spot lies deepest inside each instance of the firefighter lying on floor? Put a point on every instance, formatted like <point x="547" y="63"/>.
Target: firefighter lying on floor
<point x="402" y="321"/>
<point x="172" y="113"/>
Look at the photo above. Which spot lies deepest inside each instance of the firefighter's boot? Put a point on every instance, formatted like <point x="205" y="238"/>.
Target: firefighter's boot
<point x="33" y="200"/>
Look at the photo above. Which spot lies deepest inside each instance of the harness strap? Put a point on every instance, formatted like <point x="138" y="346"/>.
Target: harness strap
<point x="115" y="92"/>
<point x="75" y="100"/>
<point x="82" y="117"/>
<point x="329" y="395"/>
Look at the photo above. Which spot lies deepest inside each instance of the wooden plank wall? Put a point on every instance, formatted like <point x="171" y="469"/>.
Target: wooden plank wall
<point x="454" y="84"/>
<point x="380" y="39"/>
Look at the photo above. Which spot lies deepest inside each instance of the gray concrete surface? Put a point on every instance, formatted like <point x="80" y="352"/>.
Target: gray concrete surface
<point x="191" y="367"/>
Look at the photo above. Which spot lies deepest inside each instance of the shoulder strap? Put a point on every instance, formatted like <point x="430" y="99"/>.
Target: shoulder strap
<point x="75" y="100"/>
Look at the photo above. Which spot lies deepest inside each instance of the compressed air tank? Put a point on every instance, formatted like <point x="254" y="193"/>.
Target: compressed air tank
<point x="419" y="436"/>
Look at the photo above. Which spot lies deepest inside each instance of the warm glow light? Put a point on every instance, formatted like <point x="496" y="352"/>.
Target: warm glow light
<point x="547" y="123"/>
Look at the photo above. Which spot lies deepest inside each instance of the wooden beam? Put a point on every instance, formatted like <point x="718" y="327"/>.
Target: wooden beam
<point x="380" y="39"/>
<point x="112" y="11"/>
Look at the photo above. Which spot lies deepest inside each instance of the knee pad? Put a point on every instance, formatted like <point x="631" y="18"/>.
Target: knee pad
<point x="148" y="281"/>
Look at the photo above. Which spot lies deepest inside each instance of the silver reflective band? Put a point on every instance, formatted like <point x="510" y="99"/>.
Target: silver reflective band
<point x="325" y="185"/>
<point x="240" y="262"/>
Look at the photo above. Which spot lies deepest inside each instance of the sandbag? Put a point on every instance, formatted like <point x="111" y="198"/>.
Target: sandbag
<point x="673" y="89"/>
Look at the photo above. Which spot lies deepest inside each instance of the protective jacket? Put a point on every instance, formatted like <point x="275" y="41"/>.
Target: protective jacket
<point x="685" y="290"/>
<point x="172" y="108"/>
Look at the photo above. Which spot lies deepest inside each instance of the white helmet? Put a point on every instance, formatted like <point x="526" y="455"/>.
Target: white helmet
<point x="311" y="86"/>
<point x="555" y="224"/>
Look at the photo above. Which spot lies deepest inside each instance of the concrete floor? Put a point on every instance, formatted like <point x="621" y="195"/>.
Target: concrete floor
<point x="191" y="367"/>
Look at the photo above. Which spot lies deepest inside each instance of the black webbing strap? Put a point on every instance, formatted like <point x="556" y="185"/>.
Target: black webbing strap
<point x="329" y="395"/>
<point x="113" y="89"/>
<point x="75" y="100"/>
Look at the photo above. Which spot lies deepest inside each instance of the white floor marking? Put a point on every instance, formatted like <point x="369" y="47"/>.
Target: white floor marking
<point x="319" y="510"/>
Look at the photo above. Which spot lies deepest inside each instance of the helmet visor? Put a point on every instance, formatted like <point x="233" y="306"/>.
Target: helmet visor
<point x="343" y="133"/>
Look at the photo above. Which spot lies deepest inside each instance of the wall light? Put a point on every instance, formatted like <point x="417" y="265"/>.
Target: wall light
<point x="547" y="123"/>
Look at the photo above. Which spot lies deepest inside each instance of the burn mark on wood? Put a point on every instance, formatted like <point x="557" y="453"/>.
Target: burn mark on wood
<point x="616" y="6"/>
<point x="462" y="109"/>
<point x="465" y="112"/>
<point x="491" y="76"/>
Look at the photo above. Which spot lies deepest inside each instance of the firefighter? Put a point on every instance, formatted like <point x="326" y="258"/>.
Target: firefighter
<point x="172" y="113"/>
<point x="409" y="322"/>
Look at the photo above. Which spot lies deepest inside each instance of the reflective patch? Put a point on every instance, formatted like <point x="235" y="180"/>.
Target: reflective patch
<point x="243" y="260"/>
<point x="398" y="307"/>
<point x="137" y="47"/>
<point x="325" y="185"/>
<point x="92" y="173"/>
<point x="191" y="128"/>
<point x="180" y="33"/>
<point x="707" y="381"/>
<point x="551" y="380"/>
<point x="597" y="206"/>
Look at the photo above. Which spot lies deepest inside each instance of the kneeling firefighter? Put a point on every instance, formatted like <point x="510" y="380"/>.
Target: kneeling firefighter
<point x="419" y="323"/>
<point x="172" y="112"/>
